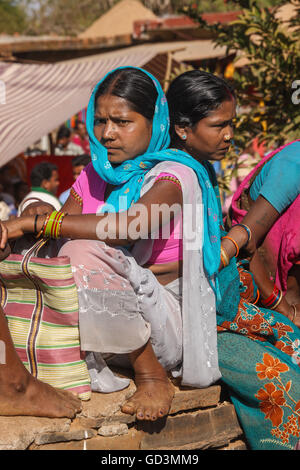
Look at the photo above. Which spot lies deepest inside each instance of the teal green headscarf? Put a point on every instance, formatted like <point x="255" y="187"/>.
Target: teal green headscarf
<point x="128" y="177"/>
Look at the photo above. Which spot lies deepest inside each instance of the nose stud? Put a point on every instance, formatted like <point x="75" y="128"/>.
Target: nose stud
<point x="227" y="137"/>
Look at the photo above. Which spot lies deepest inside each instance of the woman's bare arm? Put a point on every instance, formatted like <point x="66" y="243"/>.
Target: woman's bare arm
<point x="122" y="228"/>
<point x="71" y="206"/>
<point x="260" y="218"/>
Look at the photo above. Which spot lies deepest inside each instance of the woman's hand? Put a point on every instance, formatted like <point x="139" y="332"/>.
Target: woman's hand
<point x="38" y="208"/>
<point x="15" y="228"/>
<point x="4" y="246"/>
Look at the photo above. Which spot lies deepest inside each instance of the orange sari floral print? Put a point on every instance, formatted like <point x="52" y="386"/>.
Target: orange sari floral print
<point x="271" y="404"/>
<point x="275" y="398"/>
<point x="270" y="368"/>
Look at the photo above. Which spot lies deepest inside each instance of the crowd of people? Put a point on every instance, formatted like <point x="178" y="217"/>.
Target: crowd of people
<point x="197" y="304"/>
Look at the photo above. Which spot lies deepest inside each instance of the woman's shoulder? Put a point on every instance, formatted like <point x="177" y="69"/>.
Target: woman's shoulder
<point x="174" y="168"/>
<point x="290" y="153"/>
<point x="90" y="173"/>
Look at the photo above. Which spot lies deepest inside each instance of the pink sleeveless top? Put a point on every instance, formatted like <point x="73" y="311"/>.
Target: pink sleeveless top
<point x="89" y="190"/>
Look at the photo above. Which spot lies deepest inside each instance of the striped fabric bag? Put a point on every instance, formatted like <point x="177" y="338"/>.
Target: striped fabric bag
<point x="39" y="298"/>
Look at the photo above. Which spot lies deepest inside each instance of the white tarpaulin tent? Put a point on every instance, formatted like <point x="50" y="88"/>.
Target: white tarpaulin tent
<point x="35" y="99"/>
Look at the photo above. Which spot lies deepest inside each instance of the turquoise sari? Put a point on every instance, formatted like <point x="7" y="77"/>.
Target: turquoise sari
<point x="259" y="349"/>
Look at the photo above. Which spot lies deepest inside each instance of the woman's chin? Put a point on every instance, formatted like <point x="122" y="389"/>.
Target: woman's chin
<point x="219" y="155"/>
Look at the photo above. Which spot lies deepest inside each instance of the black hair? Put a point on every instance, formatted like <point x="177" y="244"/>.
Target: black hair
<point x="134" y="86"/>
<point x="63" y="131"/>
<point x="193" y="95"/>
<point x="42" y="171"/>
<point x="81" y="160"/>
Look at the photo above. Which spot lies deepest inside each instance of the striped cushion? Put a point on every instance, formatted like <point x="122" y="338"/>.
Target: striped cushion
<point x="39" y="298"/>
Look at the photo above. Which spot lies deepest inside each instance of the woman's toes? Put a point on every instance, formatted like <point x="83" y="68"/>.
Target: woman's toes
<point x="140" y="413"/>
<point x="148" y="414"/>
<point x="128" y="408"/>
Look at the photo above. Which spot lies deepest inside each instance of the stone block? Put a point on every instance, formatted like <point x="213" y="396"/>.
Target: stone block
<point x="53" y="437"/>
<point x="130" y="441"/>
<point x="189" y="399"/>
<point x="120" y="417"/>
<point x="203" y="429"/>
<point x="18" y="432"/>
<point x="81" y="422"/>
<point x="117" y="429"/>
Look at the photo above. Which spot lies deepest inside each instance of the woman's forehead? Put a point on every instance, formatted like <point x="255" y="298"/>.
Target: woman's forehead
<point x="226" y="111"/>
<point x="112" y="103"/>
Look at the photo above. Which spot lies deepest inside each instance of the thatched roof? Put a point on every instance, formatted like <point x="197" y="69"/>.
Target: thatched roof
<point x="119" y="20"/>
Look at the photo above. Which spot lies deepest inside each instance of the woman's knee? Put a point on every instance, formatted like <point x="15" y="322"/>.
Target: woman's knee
<point x="80" y="251"/>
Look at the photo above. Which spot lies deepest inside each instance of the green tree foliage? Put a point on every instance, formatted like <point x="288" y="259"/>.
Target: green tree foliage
<point x="266" y="88"/>
<point x="272" y="50"/>
<point x="12" y="17"/>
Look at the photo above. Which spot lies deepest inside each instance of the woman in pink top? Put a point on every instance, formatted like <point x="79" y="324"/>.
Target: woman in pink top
<point x="162" y="317"/>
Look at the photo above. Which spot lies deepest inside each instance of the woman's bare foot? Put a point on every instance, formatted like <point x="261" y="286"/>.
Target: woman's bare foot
<point x="27" y="396"/>
<point x="154" y="394"/>
<point x="152" y="399"/>
<point x="23" y="395"/>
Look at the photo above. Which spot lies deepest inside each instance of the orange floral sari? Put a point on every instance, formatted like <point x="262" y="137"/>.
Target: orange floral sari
<point x="259" y="358"/>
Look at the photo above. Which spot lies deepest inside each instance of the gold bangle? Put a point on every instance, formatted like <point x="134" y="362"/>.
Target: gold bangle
<point x="278" y="302"/>
<point x="225" y="256"/>
<point x="237" y="250"/>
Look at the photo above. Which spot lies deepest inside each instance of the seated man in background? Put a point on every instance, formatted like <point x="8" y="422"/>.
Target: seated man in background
<point x="44" y="184"/>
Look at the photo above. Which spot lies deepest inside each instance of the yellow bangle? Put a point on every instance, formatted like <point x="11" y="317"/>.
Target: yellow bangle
<point x="278" y="302"/>
<point x="224" y="256"/>
<point x="235" y="244"/>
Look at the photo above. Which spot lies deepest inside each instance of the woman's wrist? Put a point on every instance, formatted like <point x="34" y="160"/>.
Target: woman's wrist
<point x="37" y="224"/>
<point x="240" y="235"/>
<point x="236" y="238"/>
<point x="27" y="223"/>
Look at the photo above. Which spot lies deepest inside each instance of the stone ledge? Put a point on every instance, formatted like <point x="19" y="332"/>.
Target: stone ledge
<point x="195" y="430"/>
<point x="197" y="420"/>
<point x="18" y="432"/>
<point x="130" y="441"/>
<point x="189" y="399"/>
<point x="53" y="437"/>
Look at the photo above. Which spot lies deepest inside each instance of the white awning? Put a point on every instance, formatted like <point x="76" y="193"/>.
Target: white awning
<point x="35" y="99"/>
